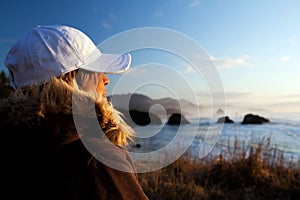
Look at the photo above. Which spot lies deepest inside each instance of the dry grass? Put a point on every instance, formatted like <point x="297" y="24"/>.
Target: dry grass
<point x="255" y="173"/>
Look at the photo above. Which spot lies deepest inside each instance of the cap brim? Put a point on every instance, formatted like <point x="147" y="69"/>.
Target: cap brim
<point x="109" y="63"/>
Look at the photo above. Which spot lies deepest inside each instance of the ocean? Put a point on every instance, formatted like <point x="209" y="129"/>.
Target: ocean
<point x="203" y="137"/>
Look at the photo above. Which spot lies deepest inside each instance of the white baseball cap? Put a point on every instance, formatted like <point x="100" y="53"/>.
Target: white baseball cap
<point x="51" y="51"/>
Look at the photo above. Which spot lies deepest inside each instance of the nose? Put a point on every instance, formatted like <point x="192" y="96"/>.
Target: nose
<point x="105" y="79"/>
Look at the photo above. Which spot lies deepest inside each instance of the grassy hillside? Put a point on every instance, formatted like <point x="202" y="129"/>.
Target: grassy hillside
<point x="255" y="174"/>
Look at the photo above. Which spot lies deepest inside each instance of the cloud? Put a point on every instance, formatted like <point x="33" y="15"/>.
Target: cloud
<point x="95" y="9"/>
<point x="292" y="96"/>
<point x="285" y="58"/>
<point x="205" y="62"/>
<point x="230" y="96"/>
<point x="158" y="14"/>
<point x="137" y="72"/>
<point x="105" y="24"/>
<point x="291" y="40"/>
<point x="188" y="68"/>
<point x="222" y="63"/>
<point x="194" y="4"/>
<point x="238" y="95"/>
<point x="109" y="21"/>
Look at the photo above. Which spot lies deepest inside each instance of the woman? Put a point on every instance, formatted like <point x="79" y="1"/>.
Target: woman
<point x="51" y="148"/>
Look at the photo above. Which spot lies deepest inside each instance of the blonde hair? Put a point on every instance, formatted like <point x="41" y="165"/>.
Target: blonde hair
<point x="60" y="94"/>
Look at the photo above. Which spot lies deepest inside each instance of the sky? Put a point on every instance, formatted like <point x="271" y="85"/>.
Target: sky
<point x="254" y="45"/>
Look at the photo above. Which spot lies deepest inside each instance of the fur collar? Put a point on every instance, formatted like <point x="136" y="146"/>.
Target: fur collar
<point x="57" y="97"/>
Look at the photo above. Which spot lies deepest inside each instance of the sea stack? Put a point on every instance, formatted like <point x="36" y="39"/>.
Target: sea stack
<point x="177" y="119"/>
<point x="254" y="119"/>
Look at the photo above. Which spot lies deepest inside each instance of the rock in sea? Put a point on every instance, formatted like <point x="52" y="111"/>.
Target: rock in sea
<point x="254" y="119"/>
<point x="177" y="119"/>
<point x="225" y="119"/>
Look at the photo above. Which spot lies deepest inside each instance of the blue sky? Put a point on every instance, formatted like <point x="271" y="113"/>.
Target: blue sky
<point x="254" y="44"/>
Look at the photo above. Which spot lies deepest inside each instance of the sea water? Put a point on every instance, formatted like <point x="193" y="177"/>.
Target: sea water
<point x="205" y="137"/>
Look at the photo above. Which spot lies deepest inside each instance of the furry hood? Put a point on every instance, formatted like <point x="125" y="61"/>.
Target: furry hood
<point x="17" y="111"/>
<point x="21" y="108"/>
<point x="57" y="97"/>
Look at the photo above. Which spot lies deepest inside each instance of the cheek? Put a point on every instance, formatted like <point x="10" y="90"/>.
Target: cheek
<point x="100" y="86"/>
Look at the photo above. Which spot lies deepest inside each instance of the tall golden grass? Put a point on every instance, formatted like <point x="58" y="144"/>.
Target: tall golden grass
<point x="252" y="172"/>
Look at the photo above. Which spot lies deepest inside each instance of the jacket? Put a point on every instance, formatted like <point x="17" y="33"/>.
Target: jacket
<point x="44" y="157"/>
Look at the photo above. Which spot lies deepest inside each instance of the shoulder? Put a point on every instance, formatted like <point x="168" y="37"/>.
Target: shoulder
<point x="109" y="154"/>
